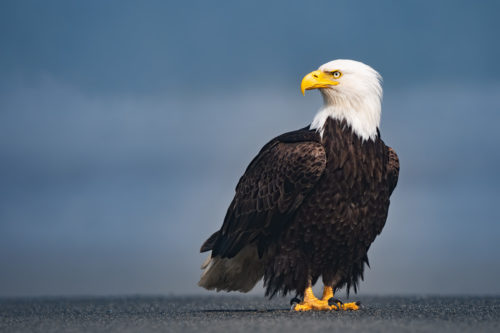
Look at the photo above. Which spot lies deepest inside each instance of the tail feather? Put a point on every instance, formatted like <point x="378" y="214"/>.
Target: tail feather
<point x="209" y="243"/>
<point x="239" y="273"/>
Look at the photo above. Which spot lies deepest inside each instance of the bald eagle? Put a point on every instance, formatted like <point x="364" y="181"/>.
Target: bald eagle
<point x="313" y="200"/>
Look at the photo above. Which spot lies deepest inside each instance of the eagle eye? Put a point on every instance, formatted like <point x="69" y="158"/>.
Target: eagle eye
<point x="336" y="74"/>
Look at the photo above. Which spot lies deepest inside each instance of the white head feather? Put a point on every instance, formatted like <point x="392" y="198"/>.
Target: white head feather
<point x="356" y="99"/>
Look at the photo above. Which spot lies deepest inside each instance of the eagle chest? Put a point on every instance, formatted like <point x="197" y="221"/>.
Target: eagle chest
<point x="348" y="204"/>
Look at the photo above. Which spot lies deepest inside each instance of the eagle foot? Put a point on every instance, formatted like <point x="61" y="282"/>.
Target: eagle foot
<point x="339" y="305"/>
<point x="310" y="302"/>
<point x="327" y="303"/>
<point x="308" y="305"/>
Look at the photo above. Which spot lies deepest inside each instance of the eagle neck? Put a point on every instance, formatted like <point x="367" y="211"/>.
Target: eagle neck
<point x="362" y="115"/>
<point x="336" y="131"/>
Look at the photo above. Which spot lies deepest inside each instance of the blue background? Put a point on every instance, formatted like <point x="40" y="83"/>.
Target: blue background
<point x="124" y="127"/>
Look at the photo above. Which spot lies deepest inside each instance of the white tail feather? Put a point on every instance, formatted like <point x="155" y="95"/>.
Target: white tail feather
<point x="240" y="273"/>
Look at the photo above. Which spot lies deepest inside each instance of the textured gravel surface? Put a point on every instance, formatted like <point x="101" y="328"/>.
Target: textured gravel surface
<point x="246" y="314"/>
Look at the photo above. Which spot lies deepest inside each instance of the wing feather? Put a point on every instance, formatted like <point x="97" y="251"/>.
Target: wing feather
<point x="392" y="169"/>
<point x="269" y="192"/>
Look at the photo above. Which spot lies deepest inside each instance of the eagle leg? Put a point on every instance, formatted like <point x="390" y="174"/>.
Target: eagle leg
<point x="326" y="303"/>
<point x="310" y="302"/>
<point x="335" y="303"/>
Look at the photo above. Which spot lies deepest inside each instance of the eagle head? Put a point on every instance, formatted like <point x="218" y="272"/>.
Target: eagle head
<point x="352" y="91"/>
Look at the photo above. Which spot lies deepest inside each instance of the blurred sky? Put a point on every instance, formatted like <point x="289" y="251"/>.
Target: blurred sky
<point x="125" y="126"/>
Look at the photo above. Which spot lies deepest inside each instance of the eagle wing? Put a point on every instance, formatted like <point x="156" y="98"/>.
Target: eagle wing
<point x="269" y="193"/>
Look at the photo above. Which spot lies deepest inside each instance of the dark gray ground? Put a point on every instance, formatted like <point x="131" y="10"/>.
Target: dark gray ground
<point x="246" y="314"/>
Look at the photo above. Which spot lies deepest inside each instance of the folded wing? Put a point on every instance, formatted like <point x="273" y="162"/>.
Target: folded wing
<point x="269" y="193"/>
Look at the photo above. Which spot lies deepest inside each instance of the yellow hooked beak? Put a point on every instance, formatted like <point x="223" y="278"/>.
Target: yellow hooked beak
<point x="315" y="80"/>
